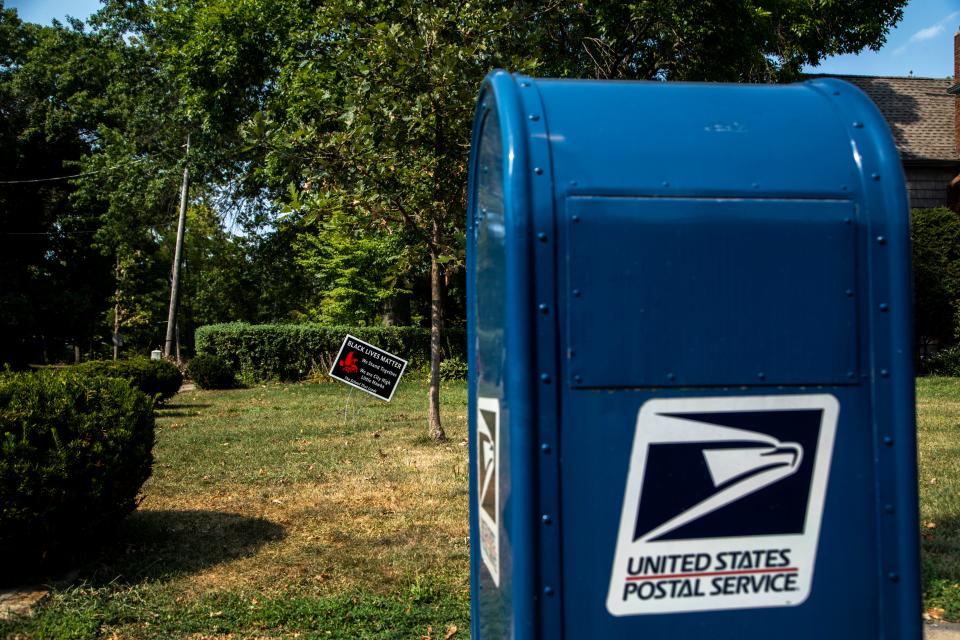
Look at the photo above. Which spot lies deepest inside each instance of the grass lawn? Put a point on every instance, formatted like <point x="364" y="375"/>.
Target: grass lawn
<point x="938" y="442"/>
<point x="316" y="511"/>
<point x="286" y="511"/>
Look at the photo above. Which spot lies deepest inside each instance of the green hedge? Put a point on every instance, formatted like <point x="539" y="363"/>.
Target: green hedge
<point x="156" y="378"/>
<point x="74" y="452"/>
<point x="935" y="239"/>
<point x="211" y="372"/>
<point x="294" y="351"/>
<point x="945" y="362"/>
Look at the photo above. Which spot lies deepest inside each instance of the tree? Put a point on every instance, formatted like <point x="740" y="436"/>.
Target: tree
<point x="357" y="274"/>
<point x="709" y="40"/>
<point x="54" y="284"/>
<point x="377" y="112"/>
<point x="370" y="117"/>
<point x="180" y="72"/>
<point x="364" y="106"/>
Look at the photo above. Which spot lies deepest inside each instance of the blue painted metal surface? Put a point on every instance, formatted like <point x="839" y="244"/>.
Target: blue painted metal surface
<point x="682" y="243"/>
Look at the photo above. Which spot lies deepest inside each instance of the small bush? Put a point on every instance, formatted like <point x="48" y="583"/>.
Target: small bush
<point x="945" y="362"/>
<point x="454" y="368"/>
<point x="211" y="372"/>
<point x="292" y="351"/>
<point x="74" y="451"/>
<point x="156" y="378"/>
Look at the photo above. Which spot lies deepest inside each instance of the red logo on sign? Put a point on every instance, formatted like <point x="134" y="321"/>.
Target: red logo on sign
<point x="349" y="364"/>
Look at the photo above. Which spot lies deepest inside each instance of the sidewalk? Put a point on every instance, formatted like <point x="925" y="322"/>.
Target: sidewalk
<point x="941" y="631"/>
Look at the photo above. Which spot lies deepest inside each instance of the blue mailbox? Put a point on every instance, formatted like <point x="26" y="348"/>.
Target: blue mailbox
<point x="691" y="384"/>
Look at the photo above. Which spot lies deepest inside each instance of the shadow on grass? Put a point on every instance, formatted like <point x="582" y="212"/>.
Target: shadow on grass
<point x="153" y="545"/>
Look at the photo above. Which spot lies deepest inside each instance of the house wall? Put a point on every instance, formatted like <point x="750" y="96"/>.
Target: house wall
<point x="927" y="186"/>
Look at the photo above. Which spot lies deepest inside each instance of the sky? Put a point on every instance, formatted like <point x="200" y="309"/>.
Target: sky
<point x="43" y="11"/>
<point x="922" y="43"/>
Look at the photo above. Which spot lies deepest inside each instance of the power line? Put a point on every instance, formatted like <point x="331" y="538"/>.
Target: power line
<point x="76" y="175"/>
<point x="46" y="233"/>
<point x="80" y="232"/>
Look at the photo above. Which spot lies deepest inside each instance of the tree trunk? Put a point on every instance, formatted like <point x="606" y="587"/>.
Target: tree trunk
<point x="396" y="311"/>
<point x="436" y="327"/>
<point x="116" y="313"/>
<point x="177" y="253"/>
<point x="116" y="328"/>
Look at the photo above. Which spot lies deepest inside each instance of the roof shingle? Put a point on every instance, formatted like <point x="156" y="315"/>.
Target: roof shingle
<point x="919" y="111"/>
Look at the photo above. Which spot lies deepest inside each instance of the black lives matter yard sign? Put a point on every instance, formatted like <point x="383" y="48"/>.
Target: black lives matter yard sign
<point x="368" y="368"/>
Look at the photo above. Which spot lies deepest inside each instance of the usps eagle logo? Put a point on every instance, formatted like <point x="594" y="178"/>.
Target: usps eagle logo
<point x="710" y="478"/>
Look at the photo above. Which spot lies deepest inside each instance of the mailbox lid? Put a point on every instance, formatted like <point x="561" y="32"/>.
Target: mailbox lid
<point x="670" y="139"/>
<point x="710" y="292"/>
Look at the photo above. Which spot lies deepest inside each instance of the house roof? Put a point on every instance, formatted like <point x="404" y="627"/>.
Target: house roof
<point x="919" y="111"/>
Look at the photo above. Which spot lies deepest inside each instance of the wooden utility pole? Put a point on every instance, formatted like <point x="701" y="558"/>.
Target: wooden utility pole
<point x="175" y="277"/>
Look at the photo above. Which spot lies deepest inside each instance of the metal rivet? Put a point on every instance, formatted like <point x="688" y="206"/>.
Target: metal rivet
<point x="545" y="447"/>
<point x="858" y="125"/>
<point x="884" y="306"/>
<point x="576" y="218"/>
<point x="546" y="519"/>
<point x="894" y="576"/>
<point x="542" y="237"/>
<point x="761" y="375"/>
<point x="847" y="221"/>
<point x="848" y="293"/>
<point x="545" y="378"/>
<point x="755" y="185"/>
<point x="884" y="373"/>
<point x="836" y="93"/>
<point x="889" y="508"/>
<point x="874" y="176"/>
<point x="577" y="379"/>
<point x="881" y="240"/>
<point x="851" y="375"/>
<point x="573" y="183"/>
<point x="534" y="117"/>
<point x="666" y="184"/>
<point x="576" y="293"/>
<point x="887" y="440"/>
<point x="548" y="591"/>
<point x="544" y="309"/>
<point x="843" y="187"/>
<point x="538" y="171"/>
<point x="524" y="84"/>
<point x="671" y="377"/>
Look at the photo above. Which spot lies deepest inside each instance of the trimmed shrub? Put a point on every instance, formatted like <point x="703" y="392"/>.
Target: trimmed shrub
<point x="211" y="372"/>
<point x="74" y="452"/>
<point x="156" y="378"/>
<point x="292" y="351"/>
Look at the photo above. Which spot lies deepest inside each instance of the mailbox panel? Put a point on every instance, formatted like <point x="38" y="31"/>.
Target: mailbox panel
<point x="760" y="291"/>
<point x="599" y="431"/>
